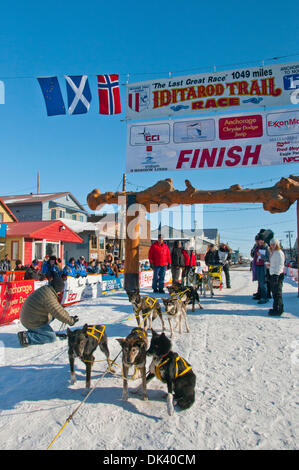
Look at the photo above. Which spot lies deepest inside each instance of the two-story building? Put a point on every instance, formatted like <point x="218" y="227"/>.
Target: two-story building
<point x="63" y="206"/>
<point x="50" y="206"/>
<point x="6" y="216"/>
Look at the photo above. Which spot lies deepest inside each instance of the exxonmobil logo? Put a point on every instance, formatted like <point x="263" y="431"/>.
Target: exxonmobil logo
<point x="288" y="122"/>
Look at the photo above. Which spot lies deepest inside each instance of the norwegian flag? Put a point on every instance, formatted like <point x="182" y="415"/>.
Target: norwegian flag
<point x="109" y="95"/>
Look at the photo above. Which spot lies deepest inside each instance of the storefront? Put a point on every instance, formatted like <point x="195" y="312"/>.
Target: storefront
<point x="33" y="240"/>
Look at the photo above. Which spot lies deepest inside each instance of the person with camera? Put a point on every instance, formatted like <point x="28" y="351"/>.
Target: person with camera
<point x="40" y="308"/>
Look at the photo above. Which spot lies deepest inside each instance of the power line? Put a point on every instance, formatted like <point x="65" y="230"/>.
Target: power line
<point x="126" y="74"/>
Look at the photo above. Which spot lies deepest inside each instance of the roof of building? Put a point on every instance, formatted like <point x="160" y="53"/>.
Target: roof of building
<point x="79" y="227"/>
<point x="53" y="230"/>
<point x="38" y="198"/>
<point x="5" y="206"/>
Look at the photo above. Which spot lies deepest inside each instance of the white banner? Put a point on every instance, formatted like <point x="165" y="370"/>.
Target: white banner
<point x="243" y="140"/>
<point x="273" y="85"/>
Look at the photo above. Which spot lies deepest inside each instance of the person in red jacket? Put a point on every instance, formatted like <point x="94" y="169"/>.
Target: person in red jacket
<point x="159" y="258"/>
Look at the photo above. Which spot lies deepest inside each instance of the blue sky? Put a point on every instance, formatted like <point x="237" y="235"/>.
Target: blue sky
<point x="145" y="40"/>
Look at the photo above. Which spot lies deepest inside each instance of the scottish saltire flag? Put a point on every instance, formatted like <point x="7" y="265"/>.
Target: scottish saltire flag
<point x="78" y="94"/>
<point x="52" y="95"/>
<point x="109" y="95"/>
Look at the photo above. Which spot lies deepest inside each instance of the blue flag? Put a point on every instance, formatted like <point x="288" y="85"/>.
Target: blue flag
<point x="52" y="95"/>
<point x="78" y="94"/>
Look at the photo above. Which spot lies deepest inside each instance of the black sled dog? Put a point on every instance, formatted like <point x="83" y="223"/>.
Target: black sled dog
<point x="173" y="370"/>
<point x="82" y="343"/>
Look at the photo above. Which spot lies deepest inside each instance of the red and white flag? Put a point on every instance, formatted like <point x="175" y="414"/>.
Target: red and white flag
<point x="109" y="95"/>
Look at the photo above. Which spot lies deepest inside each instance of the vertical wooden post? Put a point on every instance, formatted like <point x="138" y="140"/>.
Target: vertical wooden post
<point x="131" y="280"/>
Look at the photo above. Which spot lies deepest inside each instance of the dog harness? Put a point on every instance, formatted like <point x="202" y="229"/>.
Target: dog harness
<point x="141" y="333"/>
<point x="91" y="332"/>
<point x="177" y="374"/>
<point x="179" y="295"/>
<point x="150" y="302"/>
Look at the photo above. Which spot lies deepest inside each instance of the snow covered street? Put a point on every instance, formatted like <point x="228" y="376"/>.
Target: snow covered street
<point x="246" y="364"/>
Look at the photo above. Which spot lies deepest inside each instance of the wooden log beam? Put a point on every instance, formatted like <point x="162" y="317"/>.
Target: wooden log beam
<point x="275" y="199"/>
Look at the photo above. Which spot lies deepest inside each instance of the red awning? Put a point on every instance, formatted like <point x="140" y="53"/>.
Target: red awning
<point x="53" y="230"/>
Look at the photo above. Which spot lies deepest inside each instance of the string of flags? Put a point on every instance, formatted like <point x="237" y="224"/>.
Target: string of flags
<point x="79" y="94"/>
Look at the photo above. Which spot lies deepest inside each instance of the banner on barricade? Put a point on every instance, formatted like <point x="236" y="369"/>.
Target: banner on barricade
<point x="12" y="297"/>
<point x="110" y="283"/>
<point x="13" y="294"/>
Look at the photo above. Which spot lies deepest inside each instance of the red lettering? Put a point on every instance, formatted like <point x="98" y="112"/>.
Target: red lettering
<point x="207" y="157"/>
<point x="243" y="88"/>
<point x="254" y="155"/>
<point x="231" y="87"/>
<point x="211" y="103"/>
<point x="182" y="159"/>
<point x="191" y="95"/>
<point x="201" y="91"/>
<point x="195" y="158"/>
<point x="198" y="105"/>
<point x="219" y="89"/>
<point x="273" y="91"/>
<point x="236" y="158"/>
<point x="210" y="90"/>
<point x="221" y="156"/>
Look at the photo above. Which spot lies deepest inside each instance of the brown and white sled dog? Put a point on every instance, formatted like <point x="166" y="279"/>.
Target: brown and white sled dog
<point x="176" y="309"/>
<point x="146" y="308"/>
<point x="134" y="348"/>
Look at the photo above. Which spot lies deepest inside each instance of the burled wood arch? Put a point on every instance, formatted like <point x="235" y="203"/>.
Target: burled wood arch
<point x="275" y="199"/>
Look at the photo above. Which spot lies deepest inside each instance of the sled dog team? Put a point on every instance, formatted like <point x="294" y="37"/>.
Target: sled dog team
<point x="166" y="365"/>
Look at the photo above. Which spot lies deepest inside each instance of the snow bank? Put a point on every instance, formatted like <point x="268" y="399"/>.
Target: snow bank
<point x="246" y="365"/>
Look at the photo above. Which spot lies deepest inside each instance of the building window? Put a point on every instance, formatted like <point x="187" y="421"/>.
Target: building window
<point x="52" y="249"/>
<point x="38" y="250"/>
<point x="1" y="217"/>
<point x="93" y="242"/>
<point x="81" y="218"/>
<point x="101" y="243"/>
<point x="74" y="217"/>
<point x="14" y="250"/>
<point x="53" y="214"/>
<point x="61" y="214"/>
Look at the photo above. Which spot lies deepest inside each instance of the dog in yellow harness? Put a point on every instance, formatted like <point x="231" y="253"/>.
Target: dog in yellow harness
<point x="146" y="308"/>
<point x="134" y="348"/>
<point x="173" y="370"/>
<point x="82" y="343"/>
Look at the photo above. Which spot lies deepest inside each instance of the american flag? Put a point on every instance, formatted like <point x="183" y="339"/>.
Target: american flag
<point x="109" y="95"/>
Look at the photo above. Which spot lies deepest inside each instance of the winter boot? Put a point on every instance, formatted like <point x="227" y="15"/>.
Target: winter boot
<point x="274" y="314"/>
<point x="23" y="338"/>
